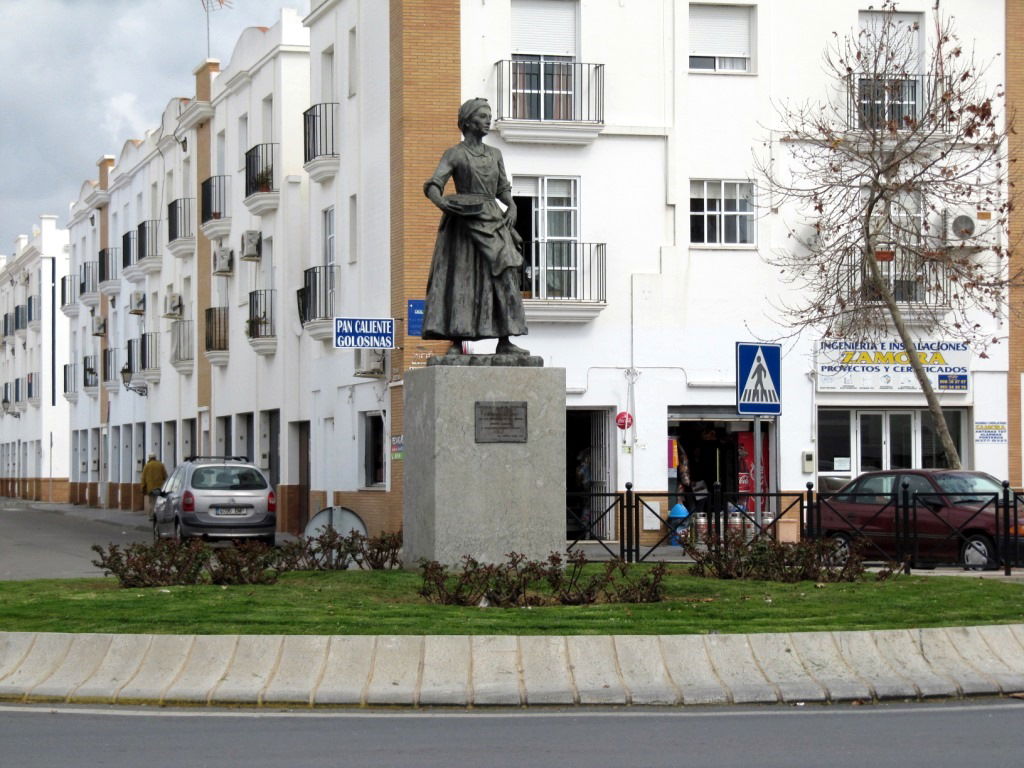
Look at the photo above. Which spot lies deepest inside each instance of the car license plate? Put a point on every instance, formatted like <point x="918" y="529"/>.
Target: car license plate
<point x="230" y="511"/>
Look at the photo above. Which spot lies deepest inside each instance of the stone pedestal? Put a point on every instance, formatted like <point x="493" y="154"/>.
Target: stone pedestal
<point x="484" y="463"/>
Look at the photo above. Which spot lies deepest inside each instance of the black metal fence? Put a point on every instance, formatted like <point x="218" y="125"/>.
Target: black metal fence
<point x="318" y="130"/>
<point x="260" y="323"/>
<point x="129" y="249"/>
<point x="564" y="270"/>
<point x="259" y="169"/>
<point x="216" y="337"/>
<point x="68" y="290"/>
<point x="316" y="296"/>
<point x="21" y="317"/>
<point x="111" y="370"/>
<point x="975" y="530"/>
<point x="148" y="241"/>
<point x="110" y="264"/>
<point x="90" y="374"/>
<point x="877" y="102"/>
<point x="534" y="88"/>
<point x="150" y="351"/>
<point x="70" y="378"/>
<point x="214" y="193"/>
<point x="88" y="277"/>
<point x="181" y="341"/>
<point x="180" y="218"/>
<point x="35" y="308"/>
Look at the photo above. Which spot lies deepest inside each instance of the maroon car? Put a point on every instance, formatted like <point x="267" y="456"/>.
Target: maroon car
<point x="952" y="516"/>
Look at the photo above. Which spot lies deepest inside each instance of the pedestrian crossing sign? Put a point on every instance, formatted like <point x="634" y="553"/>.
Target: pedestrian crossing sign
<point x="758" y="378"/>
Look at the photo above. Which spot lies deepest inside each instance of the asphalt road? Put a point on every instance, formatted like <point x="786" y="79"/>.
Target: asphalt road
<point x="41" y="544"/>
<point x="903" y="736"/>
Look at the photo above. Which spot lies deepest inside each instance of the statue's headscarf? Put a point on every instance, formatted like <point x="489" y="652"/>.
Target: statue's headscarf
<point x="467" y="109"/>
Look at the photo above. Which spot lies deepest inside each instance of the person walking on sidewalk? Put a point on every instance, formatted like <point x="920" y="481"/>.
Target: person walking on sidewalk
<point x="153" y="476"/>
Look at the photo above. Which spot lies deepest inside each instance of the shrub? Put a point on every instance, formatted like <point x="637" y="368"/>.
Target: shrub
<point x="248" y="562"/>
<point x="163" y="563"/>
<point x="764" y="559"/>
<point x="327" y="551"/>
<point x="519" y="582"/>
<point x="374" y="553"/>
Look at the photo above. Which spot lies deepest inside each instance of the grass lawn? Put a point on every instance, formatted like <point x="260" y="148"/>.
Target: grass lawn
<point x="387" y="602"/>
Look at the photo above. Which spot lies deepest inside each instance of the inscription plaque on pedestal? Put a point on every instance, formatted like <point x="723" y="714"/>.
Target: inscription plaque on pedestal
<point x="500" y="422"/>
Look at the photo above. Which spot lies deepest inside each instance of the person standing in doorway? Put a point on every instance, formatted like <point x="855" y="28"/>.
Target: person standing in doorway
<point x="153" y="476"/>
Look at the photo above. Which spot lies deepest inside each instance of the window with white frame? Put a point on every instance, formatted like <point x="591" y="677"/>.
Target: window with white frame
<point x="373" y="449"/>
<point x="721" y="212"/>
<point x="548" y="222"/>
<point x="721" y="38"/>
<point x="544" y="51"/>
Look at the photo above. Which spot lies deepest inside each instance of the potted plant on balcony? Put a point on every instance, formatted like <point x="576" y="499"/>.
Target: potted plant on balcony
<point x="264" y="180"/>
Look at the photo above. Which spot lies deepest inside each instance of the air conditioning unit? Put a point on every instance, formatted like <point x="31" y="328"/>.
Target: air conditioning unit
<point x="972" y="227"/>
<point x="370" y="363"/>
<point x="137" y="303"/>
<point x="252" y="245"/>
<point x="99" y="326"/>
<point x="222" y="259"/>
<point x="173" y="305"/>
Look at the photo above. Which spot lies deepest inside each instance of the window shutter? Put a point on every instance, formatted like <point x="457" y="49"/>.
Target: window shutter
<point x="525" y="186"/>
<point x="720" y="30"/>
<point x="544" y="27"/>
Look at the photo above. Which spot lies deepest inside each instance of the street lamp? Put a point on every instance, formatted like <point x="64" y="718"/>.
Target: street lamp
<point x="5" y="404"/>
<point x="126" y="379"/>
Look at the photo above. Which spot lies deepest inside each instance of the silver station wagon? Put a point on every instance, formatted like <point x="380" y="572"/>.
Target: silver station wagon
<point x="216" y="497"/>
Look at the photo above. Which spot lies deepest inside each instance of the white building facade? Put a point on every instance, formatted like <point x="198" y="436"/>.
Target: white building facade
<point x="288" y="192"/>
<point x="33" y="353"/>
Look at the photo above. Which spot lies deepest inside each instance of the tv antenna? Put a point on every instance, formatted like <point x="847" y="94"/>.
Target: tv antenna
<point x="209" y="6"/>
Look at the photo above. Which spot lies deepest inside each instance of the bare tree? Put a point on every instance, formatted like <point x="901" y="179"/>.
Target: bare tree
<point x="878" y="177"/>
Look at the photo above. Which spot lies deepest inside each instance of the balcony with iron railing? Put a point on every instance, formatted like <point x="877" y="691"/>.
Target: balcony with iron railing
<point x="150" y="353"/>
<point x="71" y="382"/>
<point x="34" y="384"/>
<point x="182" y="347"/>
<point x="564" y="281"/>
<point x="110" y="271"/>
<point x="918" y="283"/>
<point x="110" y="369"/>
<point x="89" y="284"/>
<point x="90" y="375"/>
<point x="259" y="326"/>
<point x="215" y="342"/>
<point x="891" y="104"/>
<point x="21" y="320"/>
<point x="8" y="325"/>
<point x="133" y="366"/>
<point x="316" y="301"/>
<point x="69" y="296"/>
<point x="261" y="179"/>
<point x="215" y="214"/>
<point x="130" y="256"/>
<point x="181" y="234"/>
<point x="320" y="142"/>
<point x="549" y="100"/>
<point x="35" y="312"/>
<point x="148" y="244"/>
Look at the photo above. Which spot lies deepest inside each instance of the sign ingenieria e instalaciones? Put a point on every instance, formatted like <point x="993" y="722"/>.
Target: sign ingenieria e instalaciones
<point x="884" y="365"/>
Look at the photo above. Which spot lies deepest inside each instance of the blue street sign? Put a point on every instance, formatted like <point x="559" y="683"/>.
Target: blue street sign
<point x="364" y="333"/>
<point x="414" y="322"/>
<point x="758" y="378"/>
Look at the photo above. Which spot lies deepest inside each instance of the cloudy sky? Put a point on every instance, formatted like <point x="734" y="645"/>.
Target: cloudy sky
<point x="78" y="78"/>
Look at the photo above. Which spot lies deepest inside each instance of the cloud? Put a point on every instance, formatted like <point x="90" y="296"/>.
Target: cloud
<point x="81" y="77"/>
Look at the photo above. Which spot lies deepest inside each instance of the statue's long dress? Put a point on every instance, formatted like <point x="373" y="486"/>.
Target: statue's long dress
<point x="474" y="287"/>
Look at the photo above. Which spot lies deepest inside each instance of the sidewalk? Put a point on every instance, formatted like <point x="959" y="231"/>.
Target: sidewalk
<point x="120" y="517"/>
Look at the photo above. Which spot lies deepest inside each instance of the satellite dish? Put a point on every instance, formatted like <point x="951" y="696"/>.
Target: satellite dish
<point x="963" y="226"/>
<point x="342" y="519"/>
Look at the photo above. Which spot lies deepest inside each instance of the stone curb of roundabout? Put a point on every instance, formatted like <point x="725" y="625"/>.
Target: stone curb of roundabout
<point x="512" y="671"/>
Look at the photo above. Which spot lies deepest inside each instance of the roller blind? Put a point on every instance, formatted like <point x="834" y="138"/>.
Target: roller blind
<point x="720" y="30"/>
<point x="544" y="27"/>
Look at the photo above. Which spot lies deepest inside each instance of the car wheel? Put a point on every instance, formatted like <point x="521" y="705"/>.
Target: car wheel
<point x="156" y="530"/>
<point x="840" y="550"/>
<point x="978" y="553"/>
<point x="178" y="535"/>
<point x="270" y="539"/>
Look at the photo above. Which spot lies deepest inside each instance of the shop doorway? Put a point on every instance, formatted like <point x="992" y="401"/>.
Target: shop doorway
<point x="588" y="468"/>
<point x="720" y="451"/>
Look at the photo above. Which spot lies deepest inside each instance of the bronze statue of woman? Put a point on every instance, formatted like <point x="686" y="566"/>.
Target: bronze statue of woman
<point x="474" y="287"/>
